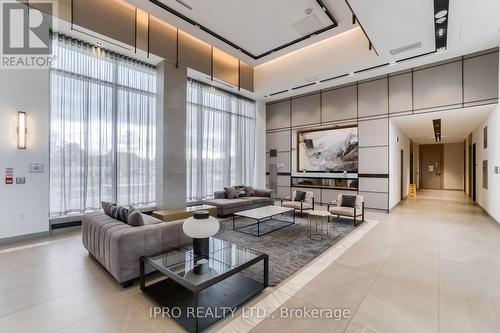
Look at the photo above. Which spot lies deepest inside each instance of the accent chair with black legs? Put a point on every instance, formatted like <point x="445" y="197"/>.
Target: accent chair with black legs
<point x="300" y="201"/>
<point x="349" y="206"/>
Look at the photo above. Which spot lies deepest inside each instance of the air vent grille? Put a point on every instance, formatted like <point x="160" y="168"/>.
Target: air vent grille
<point x="406" y="48"/>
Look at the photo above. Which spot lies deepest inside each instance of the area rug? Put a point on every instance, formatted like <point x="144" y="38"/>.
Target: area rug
<point x="289" y="249"/>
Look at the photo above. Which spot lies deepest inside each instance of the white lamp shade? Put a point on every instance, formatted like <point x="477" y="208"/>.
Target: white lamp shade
<point x="201" y="228"/>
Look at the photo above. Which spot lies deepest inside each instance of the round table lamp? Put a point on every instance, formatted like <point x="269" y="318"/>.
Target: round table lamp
<point x="200" y="227"/>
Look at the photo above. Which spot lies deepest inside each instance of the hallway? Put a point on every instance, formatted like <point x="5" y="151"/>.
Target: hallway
<point x="432" y="265"/>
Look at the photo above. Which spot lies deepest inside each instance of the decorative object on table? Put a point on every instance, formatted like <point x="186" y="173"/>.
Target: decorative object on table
<point x="200" y="227"/>
<point x="299" y="200"/>
<point x="348" y="205"/>
<point x="328" y="150"/>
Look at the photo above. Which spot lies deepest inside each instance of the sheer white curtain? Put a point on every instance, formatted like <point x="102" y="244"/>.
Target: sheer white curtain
<point x="102" y="129"/>
<point x="220" y="140"/>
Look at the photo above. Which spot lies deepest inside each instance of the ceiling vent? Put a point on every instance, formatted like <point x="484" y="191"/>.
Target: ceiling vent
<point x="308" y="25"/>
<point x="406" y="48"/>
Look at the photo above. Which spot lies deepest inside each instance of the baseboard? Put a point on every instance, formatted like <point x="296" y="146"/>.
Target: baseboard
<point x="15" y="239"/>
<point x="487" y="213"/>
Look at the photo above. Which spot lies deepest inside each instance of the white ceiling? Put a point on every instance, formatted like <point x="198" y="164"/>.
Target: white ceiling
<point x="472" y="26"/>
<point x="257" y="26"/>
<point x="456" y="125"/>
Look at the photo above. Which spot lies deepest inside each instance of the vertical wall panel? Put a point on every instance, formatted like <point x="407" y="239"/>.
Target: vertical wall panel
<point x="194" y="53"/>
<point x="115" y="19"/>
<point x="400" y="93"/>
<point x="374" y="160"/>
<point x="162" y="39"/>
<point x="374" y="184"/>
<point x="438" y="86"/>
<point x="373" y="98"/>
<point x="281" y="159"/>
<point x="340" y="104"/>
<point x="225" y="67"/>
<point x="278" y="140"/>
<point x="481" y="78"/>
<point x="373" y="132"/>
<point x="278" y="115"/>
<point x="142" y="30"/>
<point x="246" y="76"/>
<point x="306" y="110"/>
<point x="376" y="200"/>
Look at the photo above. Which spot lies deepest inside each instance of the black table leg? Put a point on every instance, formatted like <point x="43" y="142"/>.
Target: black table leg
<point x="141" y="274"/>
<point x="195" y="304"/>
<point x="266" y="271"/>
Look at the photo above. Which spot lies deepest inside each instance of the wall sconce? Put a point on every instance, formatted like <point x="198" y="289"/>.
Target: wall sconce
<point x="22" y="130"/>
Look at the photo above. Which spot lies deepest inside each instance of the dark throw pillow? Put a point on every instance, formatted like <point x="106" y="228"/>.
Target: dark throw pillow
<point x="119" y="213"/>
<point x="241" y="190"/>
<point x="250" y="191"/>
<point x="300" y="196"/>
<point x="231" y="192"/>
<point x="348" y="200"/>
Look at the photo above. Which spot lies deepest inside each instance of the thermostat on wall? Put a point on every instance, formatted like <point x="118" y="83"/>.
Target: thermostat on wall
<point x="36" y="168"/>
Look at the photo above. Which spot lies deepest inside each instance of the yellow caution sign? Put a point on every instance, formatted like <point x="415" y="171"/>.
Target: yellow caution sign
<point x="413" y="190"/>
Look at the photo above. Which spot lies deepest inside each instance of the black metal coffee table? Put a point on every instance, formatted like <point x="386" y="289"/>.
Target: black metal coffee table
<point x="197" y="301"/>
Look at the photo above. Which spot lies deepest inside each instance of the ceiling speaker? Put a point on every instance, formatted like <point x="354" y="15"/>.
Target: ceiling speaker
<point x="308" y="25"/>
<point x="406" y="48"/>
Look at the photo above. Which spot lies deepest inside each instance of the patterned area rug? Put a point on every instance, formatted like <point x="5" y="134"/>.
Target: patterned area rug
<point x="290" y="248"/>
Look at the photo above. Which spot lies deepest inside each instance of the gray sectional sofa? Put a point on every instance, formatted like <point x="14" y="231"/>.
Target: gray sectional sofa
<point x="118" y="246"/>
<point x="225" y="206"/>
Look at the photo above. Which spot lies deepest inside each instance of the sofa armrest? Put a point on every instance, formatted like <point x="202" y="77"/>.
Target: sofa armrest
<point x="259" y="192"/>
<point x="126" y="248"/>
<point x="220" y="195"/>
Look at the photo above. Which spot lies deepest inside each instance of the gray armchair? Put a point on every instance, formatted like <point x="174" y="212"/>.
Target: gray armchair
<point x="339" y="208"/>
<point x="306" y="204"/>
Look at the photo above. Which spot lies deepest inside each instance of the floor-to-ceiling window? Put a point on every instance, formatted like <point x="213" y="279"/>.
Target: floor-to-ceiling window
<point x="102" y="129"/>
<point x="220" y="140"/>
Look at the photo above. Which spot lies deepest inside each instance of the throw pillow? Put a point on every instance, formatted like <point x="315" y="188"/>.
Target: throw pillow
<point x="250" y="191"/>
<point x="135" y="219"/>
<point x="119" y="213"/>
<point x="231" y="192"/>
<point x="241" y="190"/>
<point x="348" y="200"/>
<point x="299" y="196"/>
<point x="106" y="207"/>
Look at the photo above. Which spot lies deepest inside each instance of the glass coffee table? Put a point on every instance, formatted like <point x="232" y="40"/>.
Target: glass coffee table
<point x="230" y="278"/>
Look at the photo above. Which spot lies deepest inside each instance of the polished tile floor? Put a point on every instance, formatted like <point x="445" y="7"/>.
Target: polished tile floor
<point x="432" y="265"/>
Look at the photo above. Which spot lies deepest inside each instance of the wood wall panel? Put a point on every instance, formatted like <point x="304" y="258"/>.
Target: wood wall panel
<point x="162" y="39"/>
<point x="115" y="19"/>
<point x="225" y="67"/>
<point x="194" y="53"/>
<point x="246" y="76"/>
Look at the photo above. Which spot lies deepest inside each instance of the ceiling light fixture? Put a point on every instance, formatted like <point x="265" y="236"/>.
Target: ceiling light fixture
<point x="22" y="130"/>
<point x="440" y="32"/>
<point x="441" y="49"/>
<point x="308" y="11"/>
<point x="441" y="13"/>
<point x="99" y="43"/>
<point x="440" y="20"/>
<point x="436" y="124"/>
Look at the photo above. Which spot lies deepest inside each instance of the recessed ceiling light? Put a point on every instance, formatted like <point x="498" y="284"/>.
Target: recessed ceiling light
<point x="98" y="43"/>
<point x="441" y="49"/>
<point x="440" y="20"/>
<point x="308" y="11"/>
<point x="324" y="8"/>
<point x="392" y="63"/>
<point x="351" y="74"/>
<point x="441" y="13"/>
<point x="441" y="32"/>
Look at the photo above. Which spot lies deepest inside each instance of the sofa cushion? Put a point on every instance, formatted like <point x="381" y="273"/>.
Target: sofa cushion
<point x="250" y="191"/>
<point x="231" y="192"/>
<point x="241" y="190"/>
<point x="348" y="200"/>
<point x="299" y="196"/>
<point x="119" y="213"/>
<point x="259" y="200"/>
<point x="135" y="219"/>
<point x="230" y="203"/>
<point x="106" y="207"/>
<point x="344" y="211"/>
